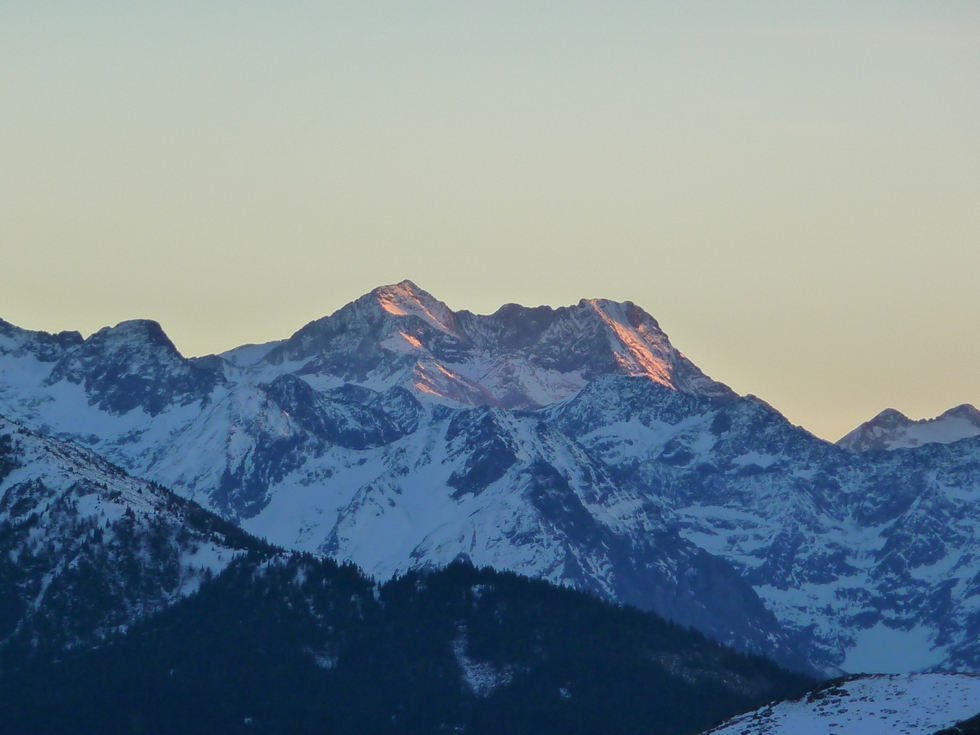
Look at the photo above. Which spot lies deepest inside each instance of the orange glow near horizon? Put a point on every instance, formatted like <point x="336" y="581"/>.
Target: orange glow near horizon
<point x="790" y="189"/>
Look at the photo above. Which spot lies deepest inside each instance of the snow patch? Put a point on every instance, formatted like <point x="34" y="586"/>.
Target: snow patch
<point x="916" y="704"/>
<point x="481" y="678"/>
<point x="886" y="650"/>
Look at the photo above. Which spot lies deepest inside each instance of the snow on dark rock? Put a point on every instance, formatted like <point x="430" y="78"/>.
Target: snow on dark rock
<point x="134" y="365"/>
<point x="516" y="357"/>
<point x="45" y="347"/>
<point x="892" y="429"/>
<point x="85" y="549"/>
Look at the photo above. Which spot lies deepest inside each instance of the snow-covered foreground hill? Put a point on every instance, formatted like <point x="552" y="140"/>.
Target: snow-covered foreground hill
<point x="917" y="704"/>
<point x="86" y="550"/>
<point x="573" y="444"/>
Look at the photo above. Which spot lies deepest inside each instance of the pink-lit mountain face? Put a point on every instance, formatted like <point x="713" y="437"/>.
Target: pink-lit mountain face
<point x="518" y="357"/>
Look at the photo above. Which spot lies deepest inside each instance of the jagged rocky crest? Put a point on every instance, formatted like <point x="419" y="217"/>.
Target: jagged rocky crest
<point x="287" y="643"/>
<point x="518" y="357"/>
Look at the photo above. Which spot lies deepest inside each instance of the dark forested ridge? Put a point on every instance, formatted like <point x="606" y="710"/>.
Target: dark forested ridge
<point x="295" y="644"/>
<point x="967" y="727"/>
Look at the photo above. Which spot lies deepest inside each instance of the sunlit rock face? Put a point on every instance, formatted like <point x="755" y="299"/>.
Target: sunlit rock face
<point x="574" y="444"/>
<point x="518" y="357"/>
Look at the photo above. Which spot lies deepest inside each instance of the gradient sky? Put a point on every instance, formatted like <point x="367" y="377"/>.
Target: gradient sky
<point x="792" y="189"/>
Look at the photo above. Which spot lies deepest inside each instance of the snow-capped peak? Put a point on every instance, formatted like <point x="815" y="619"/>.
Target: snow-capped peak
<point x="407" y="299"/>
<point x="516" y="357"/>
<point x="139" y="330"/>
<point x="133" y="364"/>
<point x="639" y="345"/>
<point x="892" y="429"/>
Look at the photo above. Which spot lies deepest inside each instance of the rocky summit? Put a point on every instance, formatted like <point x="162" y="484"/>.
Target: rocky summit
<point x="574" y="444"/>
<point x="892" y="429"/>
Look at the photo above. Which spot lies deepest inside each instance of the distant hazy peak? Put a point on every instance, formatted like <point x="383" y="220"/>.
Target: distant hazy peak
<point x="44" y="346"/>
<point x="963" y="411"/>
<point x="890" y="417"/>
<point x="892" y="429"/>
<point x="144" y="331"/>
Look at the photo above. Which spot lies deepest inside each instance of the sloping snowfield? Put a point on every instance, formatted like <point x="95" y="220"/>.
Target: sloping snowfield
<point x="909" y="704"/>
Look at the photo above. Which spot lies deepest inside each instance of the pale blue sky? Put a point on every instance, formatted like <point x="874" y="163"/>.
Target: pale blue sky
<point x="792" y="189"/>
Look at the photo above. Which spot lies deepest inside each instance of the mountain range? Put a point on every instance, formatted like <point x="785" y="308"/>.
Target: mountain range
<point x="575" y="444"/>
<point x="125" y="608"/>
<point x="892" y="429"/>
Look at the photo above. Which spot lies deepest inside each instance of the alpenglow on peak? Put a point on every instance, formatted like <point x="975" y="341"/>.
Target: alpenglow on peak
<point x="517" y="357"/>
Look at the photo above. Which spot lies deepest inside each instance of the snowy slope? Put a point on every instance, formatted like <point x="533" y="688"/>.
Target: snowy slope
<point x="891" y="429"/>
<point x="918" y="704"/>
<point x="870" y="557"/>
<point x="506" y="491"/>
